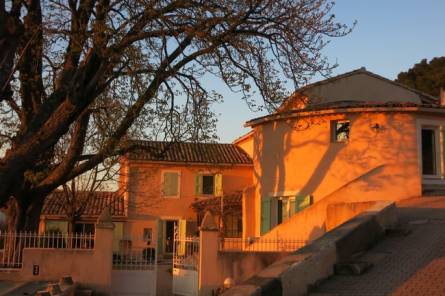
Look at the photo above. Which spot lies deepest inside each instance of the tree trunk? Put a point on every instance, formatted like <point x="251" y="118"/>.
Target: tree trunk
<point x="72" y="223"/>
<point x="24" y="216"/>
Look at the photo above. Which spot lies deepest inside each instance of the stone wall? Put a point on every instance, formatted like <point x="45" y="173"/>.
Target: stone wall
<point x="294" y="274"/>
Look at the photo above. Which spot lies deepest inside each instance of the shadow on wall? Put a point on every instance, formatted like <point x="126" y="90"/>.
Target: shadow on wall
<point x="376" y="163"/>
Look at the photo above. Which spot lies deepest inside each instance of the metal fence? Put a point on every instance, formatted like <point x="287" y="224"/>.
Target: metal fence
<point x="12" y="244"/>
<point x="257" y="244"/>
<point x="186" y="253"/>
<point x="133" y="253"/>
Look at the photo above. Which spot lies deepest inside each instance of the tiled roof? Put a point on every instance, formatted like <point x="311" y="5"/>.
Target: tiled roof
<point x="55" y="203"/>
<point x="186" y="152"/>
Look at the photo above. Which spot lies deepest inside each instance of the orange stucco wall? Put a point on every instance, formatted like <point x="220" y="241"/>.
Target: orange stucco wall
<point x="144" y="188"/>
<point x="297" y="157"/>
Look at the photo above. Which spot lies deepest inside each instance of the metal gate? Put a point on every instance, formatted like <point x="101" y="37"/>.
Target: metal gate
<point x="134" y="267"/>
<point x="185" y="264"/>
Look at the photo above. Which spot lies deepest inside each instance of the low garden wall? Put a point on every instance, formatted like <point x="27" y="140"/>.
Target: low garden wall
<point x="293" y="274"/>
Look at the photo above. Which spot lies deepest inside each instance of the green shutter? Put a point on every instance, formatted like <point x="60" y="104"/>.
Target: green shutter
<point x="218" y="185"/>
<point x="118" y="234"/>
<point x="302" y="202"/>
<point x="265" y="215"/>
<point x="292" y="207"/>
<point x="198" y="184"/>
<point x="170" y="185"/>
<point x="160" y="234"/>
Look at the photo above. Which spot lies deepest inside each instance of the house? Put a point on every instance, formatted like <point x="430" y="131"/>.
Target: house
<point x="354" y="137"/>
<point x="89" y="205"/>
<point x="170" y="185"/>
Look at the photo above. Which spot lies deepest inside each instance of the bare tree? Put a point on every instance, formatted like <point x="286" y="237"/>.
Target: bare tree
<point x="60" y="60"/>
<point x="81" y="193"/>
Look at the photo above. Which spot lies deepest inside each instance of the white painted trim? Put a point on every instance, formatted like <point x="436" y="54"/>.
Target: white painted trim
<point x="179" y="183"/>
<point x="438" y="126"/>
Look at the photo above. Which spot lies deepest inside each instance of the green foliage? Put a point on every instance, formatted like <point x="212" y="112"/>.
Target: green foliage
<point x="425" y="76"/>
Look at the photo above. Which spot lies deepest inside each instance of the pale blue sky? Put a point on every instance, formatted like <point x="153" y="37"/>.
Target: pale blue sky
<point x="390" y="36"/>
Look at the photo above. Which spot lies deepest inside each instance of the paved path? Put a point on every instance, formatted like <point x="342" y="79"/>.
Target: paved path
<point x="404" y="265"/>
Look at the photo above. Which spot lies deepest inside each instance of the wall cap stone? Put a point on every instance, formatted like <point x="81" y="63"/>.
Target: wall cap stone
<point x="104" y="220"/>
<point x="208" y="223"/>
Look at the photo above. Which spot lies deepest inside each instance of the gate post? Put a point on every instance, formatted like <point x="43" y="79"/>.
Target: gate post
<point x="103" y="252"/>
<point x="209" y="278"/>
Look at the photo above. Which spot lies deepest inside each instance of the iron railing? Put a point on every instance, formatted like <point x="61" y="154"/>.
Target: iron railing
<point x="186" y="253"/>
<point x="13" y="243"/>
<point x="133" y="253"/>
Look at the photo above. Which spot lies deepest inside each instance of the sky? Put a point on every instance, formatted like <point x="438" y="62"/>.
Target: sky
<point x="390" y="36"/>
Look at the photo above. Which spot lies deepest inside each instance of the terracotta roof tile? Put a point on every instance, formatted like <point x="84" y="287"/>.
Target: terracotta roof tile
<point x="232" y="203"/>
<point x="54" y="203"/>
<point x="208" y="153"/>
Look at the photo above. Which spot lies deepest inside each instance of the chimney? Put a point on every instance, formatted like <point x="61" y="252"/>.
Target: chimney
<point x="442" y="97"/>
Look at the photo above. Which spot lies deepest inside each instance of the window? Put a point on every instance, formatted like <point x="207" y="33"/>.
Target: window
<point x="233" y="225"/>
<point x="170" y="184"/>
<point x="429" y="151"/>
<point x="147" y="235"/>
<point x="278" y="209"/>
<point x="287" y="206"/>
<point x="340" y="131"/>
<point x="56" y="226"/>
<point x="87" y="228"/>
<point x="208" y="184"/>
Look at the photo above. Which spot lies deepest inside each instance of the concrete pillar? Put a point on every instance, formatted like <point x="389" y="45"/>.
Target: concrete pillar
<point x="103" y="253"/>
<point x="209" y="274"/>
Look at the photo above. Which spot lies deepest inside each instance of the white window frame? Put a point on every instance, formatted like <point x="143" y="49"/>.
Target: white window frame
<point x="178" y="195"/>
<point x="439" y="127"/>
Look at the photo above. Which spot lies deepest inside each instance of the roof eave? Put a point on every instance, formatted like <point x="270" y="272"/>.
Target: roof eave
<point x="183" y="163"/>
<point x="301" y="113"/>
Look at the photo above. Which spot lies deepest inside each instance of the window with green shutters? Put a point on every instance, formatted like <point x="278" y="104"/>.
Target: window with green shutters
<point x="170" y="184"/>
<point x="302" y="202"/>
<point x="287" y="206"/>
<point x="209" y="184"/>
